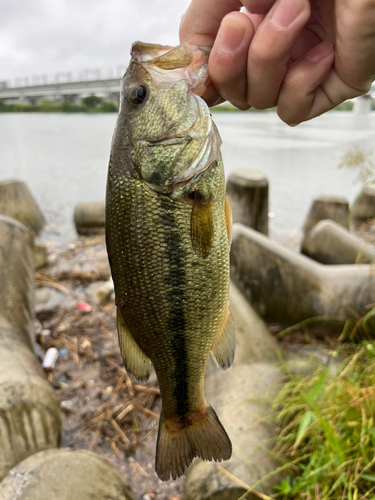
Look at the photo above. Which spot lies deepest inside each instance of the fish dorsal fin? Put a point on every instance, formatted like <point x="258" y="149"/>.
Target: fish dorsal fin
<point x="228" y="219"/>
<point x="135" y="361"/>
<point x="202" y="225"/>
<point x="224" y="346"/>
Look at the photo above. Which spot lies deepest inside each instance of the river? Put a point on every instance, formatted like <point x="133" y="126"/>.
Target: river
<point x="63" y="158"/>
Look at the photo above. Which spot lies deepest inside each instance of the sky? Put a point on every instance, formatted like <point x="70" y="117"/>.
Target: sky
<point x="45" y="37"/>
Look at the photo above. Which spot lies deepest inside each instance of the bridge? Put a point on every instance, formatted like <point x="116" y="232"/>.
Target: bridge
<point x="65" y="87"/>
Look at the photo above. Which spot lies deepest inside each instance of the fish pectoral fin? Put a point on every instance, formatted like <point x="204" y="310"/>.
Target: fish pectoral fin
<point x="228" y="219"/>
<point x="135" y="361"/>
<point x="202" y="225"/>
<point x="224" y="346"/>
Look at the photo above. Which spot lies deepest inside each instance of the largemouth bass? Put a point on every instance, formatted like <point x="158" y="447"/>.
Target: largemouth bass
<point x="168" y="224"/>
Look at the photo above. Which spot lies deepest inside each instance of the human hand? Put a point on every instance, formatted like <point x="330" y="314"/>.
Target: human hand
<point x="303" y="56"/>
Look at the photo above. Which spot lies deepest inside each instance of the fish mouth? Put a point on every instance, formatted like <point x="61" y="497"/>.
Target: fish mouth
<point x="167" y="65"/>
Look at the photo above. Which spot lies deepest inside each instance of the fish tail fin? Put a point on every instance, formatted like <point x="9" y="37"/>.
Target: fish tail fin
<point x="199" y="434"/>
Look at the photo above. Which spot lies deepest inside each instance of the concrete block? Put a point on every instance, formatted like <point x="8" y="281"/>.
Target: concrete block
<point x="17" y="202"/>
<point x="330" y="243"/>
<point x="334" y="208"/>
<point x="288" y="287"/>
<point x="65" y="475"/>
<point x="30" y="414"/>
<point x="365" y="206"/>
<point x="254" y="342"/>
<point x="89" y="217"/>
<point x="248" y="195"/>
<point x="41" y="253"/>
<point x="17" y="268"/>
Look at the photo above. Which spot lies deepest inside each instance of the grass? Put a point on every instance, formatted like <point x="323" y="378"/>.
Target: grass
<point x="326" y="429"/>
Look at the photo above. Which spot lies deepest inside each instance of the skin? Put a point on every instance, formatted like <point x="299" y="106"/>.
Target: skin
<point x="302" y="56"/>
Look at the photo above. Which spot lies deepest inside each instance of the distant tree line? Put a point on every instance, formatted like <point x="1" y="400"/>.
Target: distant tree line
<point x="89" y="104"/>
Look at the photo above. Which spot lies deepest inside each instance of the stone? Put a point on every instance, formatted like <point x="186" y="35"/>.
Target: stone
<point x="248" y="195"/>
<point x="287" y="287"/>
<point x="334" y="208"/>
<point x="17" y="269"/>
<point x="365" y="206"/>
<point x="17" y="202"/>
<point x="30" y="415"/>
<point x="89" y="217"/>
<point x="65" y="474"/>
<point x="49" y="299"/>
<point x="254" y="343"/>
<point x="41" y="253"/>
<point x="235" y="395"/>
<point x="330" y="243"/>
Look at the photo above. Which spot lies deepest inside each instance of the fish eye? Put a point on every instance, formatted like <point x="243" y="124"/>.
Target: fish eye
<point x="137" y="94"/>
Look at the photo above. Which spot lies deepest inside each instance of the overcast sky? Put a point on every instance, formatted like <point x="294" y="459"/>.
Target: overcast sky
<point x="43" y="37"/>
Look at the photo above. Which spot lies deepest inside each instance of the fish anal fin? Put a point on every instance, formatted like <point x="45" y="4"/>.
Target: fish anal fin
<point x="224" y="346"/>
<point x="135" y="361"/>
<point x="199" y="434"/>
<point x="228" y="219"/>
<point x="202" y="225"/>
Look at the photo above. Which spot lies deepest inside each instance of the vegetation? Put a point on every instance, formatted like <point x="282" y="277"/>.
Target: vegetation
<point x="327" y="434"/>
<point x="90" y="104"/>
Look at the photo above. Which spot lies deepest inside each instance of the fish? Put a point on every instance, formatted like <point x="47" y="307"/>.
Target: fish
<point x="168" y="234"/>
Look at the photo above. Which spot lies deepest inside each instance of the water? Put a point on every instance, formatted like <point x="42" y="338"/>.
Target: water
<point x="63" y="158"/>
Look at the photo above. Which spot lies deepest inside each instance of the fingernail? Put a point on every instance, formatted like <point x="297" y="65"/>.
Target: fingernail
<point x="285" y="12"/>
<point x="319" y="52"/>
<point x="231" y="35"/>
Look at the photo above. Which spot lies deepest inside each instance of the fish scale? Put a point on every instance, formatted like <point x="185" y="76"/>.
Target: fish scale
<point x="168" y="249"/>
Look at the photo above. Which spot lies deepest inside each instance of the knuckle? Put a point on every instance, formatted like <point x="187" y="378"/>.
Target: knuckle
<point x="363" y="6"/>
<point x="261" y="55"/>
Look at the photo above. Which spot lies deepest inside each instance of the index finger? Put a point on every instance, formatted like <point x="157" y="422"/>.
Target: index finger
<point x="201" y="21"/>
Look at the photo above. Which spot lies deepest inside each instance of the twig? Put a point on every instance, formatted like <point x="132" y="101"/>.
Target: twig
<point x="147" y="411"/>
<point x="244" y="485"/>
<point x="127" y="410"/>
<point x="315" y="319"/>
<point x="141" y="469"/>
<point x="143" y="388"/>
<point x="44" y="281"/>
<point x="120" y="431"/>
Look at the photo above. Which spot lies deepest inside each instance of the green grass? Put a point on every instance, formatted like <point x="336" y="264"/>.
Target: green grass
<point x="326" y="429"/>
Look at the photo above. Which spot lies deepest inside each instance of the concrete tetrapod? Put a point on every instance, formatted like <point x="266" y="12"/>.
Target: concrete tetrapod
<point x="235" y="396"/>
<point x="17" y="202"/>
<point x="64" y="475"/>
<point x="327" y="207"/>
<point x="330" y="243"/>
<point x="30" y="415"/>
<point x="248" y="195"/>
<point x="287" y="287"/>
<point x="365" y="206"/>
<point x="89" y="217"/>
<point x="17" y="266"/>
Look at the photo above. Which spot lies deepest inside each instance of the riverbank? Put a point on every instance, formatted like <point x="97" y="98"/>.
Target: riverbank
<point x="110" y="107"/>
<point x="63" y="107"/>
